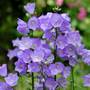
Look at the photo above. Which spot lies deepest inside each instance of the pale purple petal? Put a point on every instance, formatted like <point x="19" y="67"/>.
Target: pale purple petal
<point x="11" y="79"/>
<point x="3" y="70"/>
<point x="30" y="8"/>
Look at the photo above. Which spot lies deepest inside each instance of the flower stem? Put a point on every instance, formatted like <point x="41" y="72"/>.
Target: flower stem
<point x="55" y="50"/>
<point x="72" y="83"/>
<point x="32" y="81"/>
<point x="32" y="72"/>
<point x="44" y="88"/>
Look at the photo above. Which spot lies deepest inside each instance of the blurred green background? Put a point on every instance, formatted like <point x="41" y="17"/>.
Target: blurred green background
<point x="10" y="10"/>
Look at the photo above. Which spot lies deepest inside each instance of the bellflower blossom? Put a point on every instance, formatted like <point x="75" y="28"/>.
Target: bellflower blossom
<point x="45" y="22"/>
<point x="20" y="66"/>
<point x="33" y="23"/>
<point x="62" y="82"/>
<point x="86" y="79"/>
<point x="5" y="86"/>
<point x="3" y="70"/>
<point x="33" y="67"/>
<point x="51" y="84"/>
<point x="30" y="8"/>
<point x="11" y="79"/>
<point x="22" y="27"/>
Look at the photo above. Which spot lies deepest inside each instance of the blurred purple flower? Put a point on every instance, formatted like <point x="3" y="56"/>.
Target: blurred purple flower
<point x="38" y="86"/>
<point x="22" y="27"/>
<point x="50" y="35"/>
<point x="3" y="70"/>
<point x="66" y="72"/>
<point x="33" y="67"/>
<point x="24" y="43"/>
<point x="51" y="84"/>
<point x="56" y="20"/>
<point x="62" y="82"/>
<point x="20" y="66"/>
<point x="30" y="8"/>
<point x="60" y="66"/>
<point x="86" y="79"/>
<point x="45" y="22"/>
<point x="53" y="69"/>
<point x="33" y="23"/>
<point x="37" y="55"/>
<point x="72" y="61"/>
<point x="11" y="79"/>
<point x="86" y="57"/>
<point x="74" y="38"/>
<point x="66" y="17"/>
<point x="50" y="59"/>
<point x="5" y="86"/>
<point x="25" y="56"/>
<point x="70" y="50"/>
<point x="13" y="53"/>
<point x="61" y="41"/>
<point x="27" y="43"/>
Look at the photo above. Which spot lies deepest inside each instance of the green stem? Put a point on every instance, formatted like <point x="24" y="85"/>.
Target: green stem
<point x="72" y="83"/>
<point x="32" y="81"/>
<point x="32" y="73"/>
<point x="55" y="51"/>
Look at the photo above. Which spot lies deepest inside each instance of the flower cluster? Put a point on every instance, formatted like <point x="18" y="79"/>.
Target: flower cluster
<point x="52" y="54"/>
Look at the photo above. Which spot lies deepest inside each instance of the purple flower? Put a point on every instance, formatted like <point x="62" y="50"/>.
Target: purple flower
<point x="33" y="23"/>
<point x="13" y="53"/>
<point x="50" y="35"/>
<point x="22" y="27"/>
<point x="66" y="72"/>
<point x="72" y="61"/>
<point x="38" y="86"/>
<point x="51" y="84"/>
<point x="45" y="22"/>
<point x="56" y="20"/>
<point x="70" y="50"/>
<point x="50" y="59"/>
<point x="61" y="53"/>
<point x="87" y="80"/>
<point x="66" y="17"/>
<point x="65" y="27"/>
<point x="56" y="68"/>
<point x="74" y="38"/>
<point x="33" y="67"/>
<point x="60" y="66"/>
<point x="61" y="41"/>
<point x="81" y="50"/>
<point x="62" y="82"/>
<point x="36" y="42"/>
<point x="46" y="50"/>
<point x="3" y="70"/>
<point x="86" y="57"/>
<point x="46" y="70"/>
<point x="20" y="66"/>
<point x="37" y="55"/>
<point x="16" y="42"/>
<point x="24" y="43"/>
<point x="11" y="79"/>
<point x="25" y="55"/>
<point x="5" y="86"/>
<point x="53" y="69"/>
<point x="30" y="8"/>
